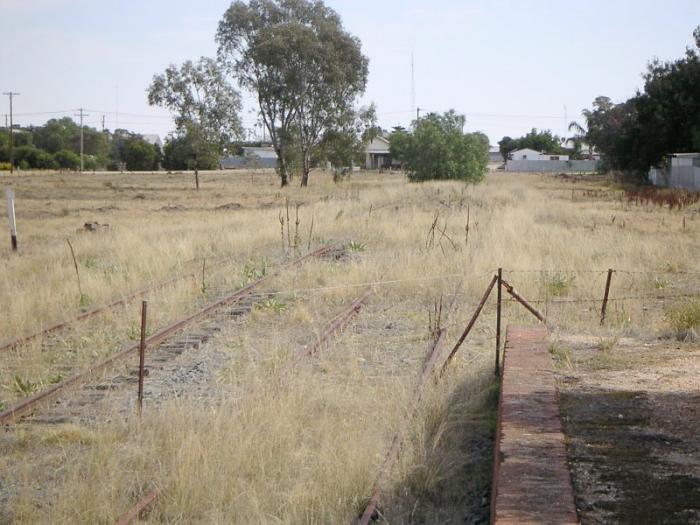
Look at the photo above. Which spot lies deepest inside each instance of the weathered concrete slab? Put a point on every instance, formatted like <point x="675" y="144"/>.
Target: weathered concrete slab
<point x="531" y="481"/>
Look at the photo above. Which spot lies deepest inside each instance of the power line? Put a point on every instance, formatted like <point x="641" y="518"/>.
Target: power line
<point x="37" y="113"/>
<point x="11" y="94"/>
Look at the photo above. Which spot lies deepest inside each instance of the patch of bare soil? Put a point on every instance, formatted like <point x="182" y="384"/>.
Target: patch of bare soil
<point x="632" y="419"/>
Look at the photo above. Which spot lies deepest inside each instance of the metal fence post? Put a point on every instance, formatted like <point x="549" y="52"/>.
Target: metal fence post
<point x="498" y="322"/>
<point x="605" y="297"/>
<point x="142" y="352"/>
<point x="11" y="217"/>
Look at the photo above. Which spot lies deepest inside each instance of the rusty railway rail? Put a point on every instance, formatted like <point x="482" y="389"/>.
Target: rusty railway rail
<point x="371" y="510"/>
<point x="336" y="324"/>
<point x="28" y="405"/>
<point x="140" y="509"/>
<point x="83" y="316"/>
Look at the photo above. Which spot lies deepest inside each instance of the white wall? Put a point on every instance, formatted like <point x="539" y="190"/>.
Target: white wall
<point x="550" y="166"/>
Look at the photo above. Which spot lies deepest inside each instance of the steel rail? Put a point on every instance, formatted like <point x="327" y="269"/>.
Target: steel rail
<point x="371" y="510"/>
<point x="335" y="324"/>
<point x="137" y="511"/>
<point x="27" y="405"/>
<point x="534" y="311"/>
<point x="83" y="316"/>
<point x="470" y="325"/>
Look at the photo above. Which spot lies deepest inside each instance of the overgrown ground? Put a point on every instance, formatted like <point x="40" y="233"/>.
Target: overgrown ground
<point x="302" y="445"/>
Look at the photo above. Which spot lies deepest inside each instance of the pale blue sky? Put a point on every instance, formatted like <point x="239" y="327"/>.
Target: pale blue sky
<point x="509" y="65"/>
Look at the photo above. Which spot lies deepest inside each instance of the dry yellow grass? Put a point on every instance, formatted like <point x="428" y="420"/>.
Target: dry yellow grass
<point x="304" y="448"/>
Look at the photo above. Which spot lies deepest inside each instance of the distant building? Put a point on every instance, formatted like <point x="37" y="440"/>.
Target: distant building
<point x="530" y="160"/>
<point x="153" y="139"/>
<point x="682" y="170"/>
<point x="531" y="154"/>
<point x="253" y="157"/>
<point x="377" y="154"/>
<point x="495" y="155"/>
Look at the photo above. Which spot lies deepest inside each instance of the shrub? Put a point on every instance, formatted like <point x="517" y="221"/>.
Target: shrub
<point x="4" y="166"/>
<point x="438" y="149"/>
<point x="67" y="159"/>
<point x="684" y="316"/>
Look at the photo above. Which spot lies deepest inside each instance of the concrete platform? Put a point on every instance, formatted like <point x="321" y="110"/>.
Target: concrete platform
<point x="531" y="483"/>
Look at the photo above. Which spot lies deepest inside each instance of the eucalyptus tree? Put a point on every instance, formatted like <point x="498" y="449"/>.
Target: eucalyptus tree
<point x="304" y="67"/>
<point x="205" y="106"/>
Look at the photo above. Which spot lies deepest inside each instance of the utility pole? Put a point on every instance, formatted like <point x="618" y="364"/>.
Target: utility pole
<point x="12" y="139"/>
<point x="417" y="114"/>
<point x="103" y="123"/>
<point x="81" y="115"/>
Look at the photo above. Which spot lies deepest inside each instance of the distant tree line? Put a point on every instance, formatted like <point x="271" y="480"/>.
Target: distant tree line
<point x="56" y="145"/>
<point x="664" y="118"/>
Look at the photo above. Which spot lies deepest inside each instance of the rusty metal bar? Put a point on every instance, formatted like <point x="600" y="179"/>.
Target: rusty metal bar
<point x="524" y="302"/>
<point x="27" y="405"/>
<point x="371" y="511"/>
<point x="90" y="313"/>
<point x="142" y="352"/>
<point x="498" y="321"/>
<point x="470" y="325"/>
<point x="14" y="343"/>
<point x="336" y="324"/>
<point x="605" y="296"/>
<point x="140" y="509"/>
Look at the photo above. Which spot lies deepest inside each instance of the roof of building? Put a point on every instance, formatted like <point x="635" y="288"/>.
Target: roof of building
<point x="261" y="152"/>
<point x="685" y="155"/>
<point x="152" y="138"/>
<point x="378" y="145"/>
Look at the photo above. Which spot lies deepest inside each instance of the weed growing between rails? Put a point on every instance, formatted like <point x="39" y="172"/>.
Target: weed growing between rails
<point x="30" y="368"/>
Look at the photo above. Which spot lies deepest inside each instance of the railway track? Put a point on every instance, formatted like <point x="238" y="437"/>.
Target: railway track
<point x="164" y="340"/>
<point x="335" y="325"/>
<point x="94" y="312"/>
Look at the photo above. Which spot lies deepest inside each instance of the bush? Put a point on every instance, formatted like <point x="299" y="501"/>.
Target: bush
<point x="438" y="149"/>
<point x="4" y="166"/>
<point x="28" y="157"/>
<point x="684" y="316"/>
<point x="67" y="159"/>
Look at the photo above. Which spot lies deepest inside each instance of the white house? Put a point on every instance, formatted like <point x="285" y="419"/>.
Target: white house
<point x="377" y="154"/>
<point x="531" y="154"/>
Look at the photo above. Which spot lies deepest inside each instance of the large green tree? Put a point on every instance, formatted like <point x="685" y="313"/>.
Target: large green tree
<point x="205" y="105"/>
<point x="178" y="154"/>
<point x="663" y="118"/>
<point x="438" y="149"/>
<point x="344" y="144"/>
<point x="305" y="69"/>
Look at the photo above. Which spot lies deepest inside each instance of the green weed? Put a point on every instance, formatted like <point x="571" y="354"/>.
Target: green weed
<point x="684" y="316"/>
<point x="24" y="387"/>
<point x="355" y="246"/>
<point x="557" y="284"/>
